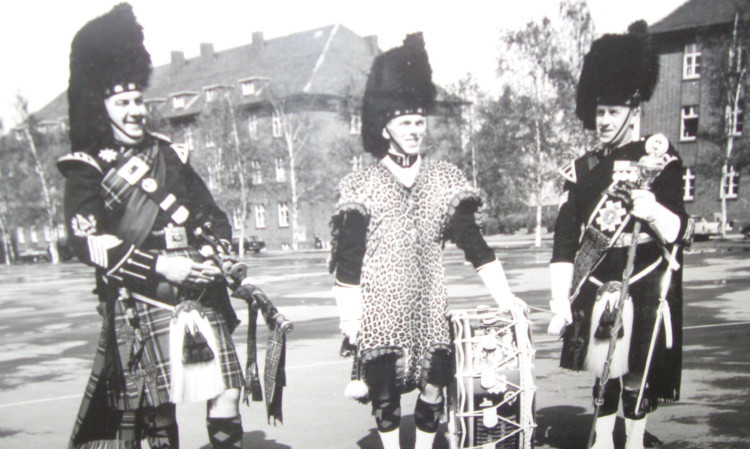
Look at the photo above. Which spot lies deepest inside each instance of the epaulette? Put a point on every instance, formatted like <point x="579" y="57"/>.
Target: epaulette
<point x="183" y="152"/>
<point x="569" y="172"/>
<point x="70" y="160"/>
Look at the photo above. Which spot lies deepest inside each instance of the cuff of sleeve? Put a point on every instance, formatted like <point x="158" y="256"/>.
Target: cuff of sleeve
<point x="348" y="301"/>
<point x="666" y="222"/>
<point x="139" y="266"/>
<point x="561" y="276"/>
<point x="493" y="276"/>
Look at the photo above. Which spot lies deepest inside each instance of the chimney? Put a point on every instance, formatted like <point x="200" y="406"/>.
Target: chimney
<point x="258" y="39"/>
<point x="372" y="44"/>
<point x="207" y="51"/>
<point x="178" y="59"/>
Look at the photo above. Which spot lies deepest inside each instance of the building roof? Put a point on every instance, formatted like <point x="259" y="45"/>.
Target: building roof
<point x="331" y="60"/>
<point x="697" y="14"/>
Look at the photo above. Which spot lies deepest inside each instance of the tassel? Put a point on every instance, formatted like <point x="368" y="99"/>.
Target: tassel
<point x="356" y="389"/>
<point x="195" y="348"/>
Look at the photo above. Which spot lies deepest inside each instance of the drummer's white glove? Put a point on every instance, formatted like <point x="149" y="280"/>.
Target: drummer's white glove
<point x="663" y="220"/>
<point x="493" y="276"/>
<point x="349" y="302"/>
<point x="561" y="275"/>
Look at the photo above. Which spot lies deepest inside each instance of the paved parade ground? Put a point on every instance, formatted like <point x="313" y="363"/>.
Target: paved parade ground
<point x="49" y="331"/>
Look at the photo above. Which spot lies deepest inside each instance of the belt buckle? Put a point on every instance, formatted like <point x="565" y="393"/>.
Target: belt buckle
<point x="175" y="237"/>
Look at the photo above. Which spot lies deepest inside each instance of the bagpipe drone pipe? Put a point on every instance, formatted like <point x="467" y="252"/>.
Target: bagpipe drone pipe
<point x="235" y="275"/>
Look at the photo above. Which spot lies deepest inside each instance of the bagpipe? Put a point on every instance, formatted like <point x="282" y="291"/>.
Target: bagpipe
<point x="235" y="277"/>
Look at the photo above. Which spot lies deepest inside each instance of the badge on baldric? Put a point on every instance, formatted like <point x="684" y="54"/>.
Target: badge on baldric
<point x="175" y="237"/>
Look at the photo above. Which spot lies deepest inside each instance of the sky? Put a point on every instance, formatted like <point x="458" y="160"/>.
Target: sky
<point x="461" y="36"/>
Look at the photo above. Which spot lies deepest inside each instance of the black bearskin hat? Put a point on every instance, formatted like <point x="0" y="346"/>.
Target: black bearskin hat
<point x="400" y="83"/>
<point x="107" y="56"/>
<point x="619" y="69"/>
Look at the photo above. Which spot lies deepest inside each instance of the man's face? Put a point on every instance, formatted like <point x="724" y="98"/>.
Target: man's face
<point x="406" y="133"/>
<point x="127" y="114"/>
<point x="614" y="124"/>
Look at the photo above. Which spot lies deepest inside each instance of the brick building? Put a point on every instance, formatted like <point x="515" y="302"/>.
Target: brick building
<point x="684" y="108"/>
<point x="303" y="89"/>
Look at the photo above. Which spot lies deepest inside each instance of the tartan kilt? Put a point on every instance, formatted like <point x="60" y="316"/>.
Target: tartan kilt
<point x="149" y="373"/>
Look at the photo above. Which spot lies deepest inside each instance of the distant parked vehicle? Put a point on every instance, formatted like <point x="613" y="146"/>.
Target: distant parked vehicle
<point x="705" y="228"/>
<point x="252" y="243"/>
<point x="746" y="231"/>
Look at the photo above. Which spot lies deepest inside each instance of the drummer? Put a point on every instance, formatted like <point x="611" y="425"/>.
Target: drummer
<point x="389" y="227"/>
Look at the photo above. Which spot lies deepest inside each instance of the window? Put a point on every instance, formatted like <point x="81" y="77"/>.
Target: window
<point x="691" y="62"/>
<point x="252" y="127"/>
<point x="208" y="140"/>
<point x="260" y="216"/>
<point x="47" y="234"/>
<point x="32" y="236"/>
<point x="276" y="125"/>
<point x="689" y="123"/>
<point x="189" y="138"/>
<point x="256" y="175"/>
<point x="212" y="95"/>
<point x="355" y="124"/>
<point x="248" y="88"/>
<point x="178" y="102"/>
<point x="283" y="215"/>
<point x="689" y="186"/>
<point x="729" y="183"/>
<point x="280" y="170"/>
<point x="357" y="162"/>
<point x="20" y="237"/>
<point x="737" y="117"/>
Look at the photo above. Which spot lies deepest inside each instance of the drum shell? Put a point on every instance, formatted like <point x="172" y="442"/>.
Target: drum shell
<point x="489" y="380"/>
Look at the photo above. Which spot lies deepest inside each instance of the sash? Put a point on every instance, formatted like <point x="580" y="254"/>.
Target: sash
<point x="139" y="212"/>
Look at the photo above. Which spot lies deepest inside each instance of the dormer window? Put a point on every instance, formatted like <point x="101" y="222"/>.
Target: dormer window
<point x="152" y="104"/>
<point x="213" y="92"/>
<point x="178" y="102"/>
<point x="182" y="100"/>
<point x="253" y="86"/>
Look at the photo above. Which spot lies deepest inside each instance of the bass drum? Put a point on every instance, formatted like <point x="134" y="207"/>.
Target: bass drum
<point x="491" y="397"/>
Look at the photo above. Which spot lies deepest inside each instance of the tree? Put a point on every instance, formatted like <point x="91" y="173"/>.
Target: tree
<point x="726" y="72"/>
<point x="292" y="121"/>
<point x="40" y="158"/>
<point x="540" y="63"/>
<point x="225" y="158"/>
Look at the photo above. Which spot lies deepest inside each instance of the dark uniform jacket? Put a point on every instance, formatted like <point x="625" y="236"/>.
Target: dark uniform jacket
<point x="587" y="179"/>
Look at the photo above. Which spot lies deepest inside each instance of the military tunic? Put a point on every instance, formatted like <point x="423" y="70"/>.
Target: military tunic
<point x="587" y="179"/>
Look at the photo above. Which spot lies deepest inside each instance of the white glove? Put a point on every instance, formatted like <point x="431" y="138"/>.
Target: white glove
<point x="663" y="220"/>
<point x="180" y="269"/>
<point x="494" y="279"/>
<point x="561" y="275"/>
<point x="349" y="302"/>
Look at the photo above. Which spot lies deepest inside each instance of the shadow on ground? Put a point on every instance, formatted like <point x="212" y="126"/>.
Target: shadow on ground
<point x="257" y="440"/>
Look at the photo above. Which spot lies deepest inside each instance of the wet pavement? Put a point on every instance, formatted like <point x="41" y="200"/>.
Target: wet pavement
<point x="49" y="330"/>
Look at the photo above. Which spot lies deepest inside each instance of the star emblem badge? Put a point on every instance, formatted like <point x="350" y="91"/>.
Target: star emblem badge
<point x="108" y="155"/>
<point x="610" y="216"/>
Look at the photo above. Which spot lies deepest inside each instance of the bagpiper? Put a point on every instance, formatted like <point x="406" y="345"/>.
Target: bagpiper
<point x="389" y="228"/>
<point x="613" y="204"/>
<point x="132" y="206"/>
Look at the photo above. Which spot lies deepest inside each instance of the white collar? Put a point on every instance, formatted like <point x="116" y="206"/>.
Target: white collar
<point x="405" y="175"/>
